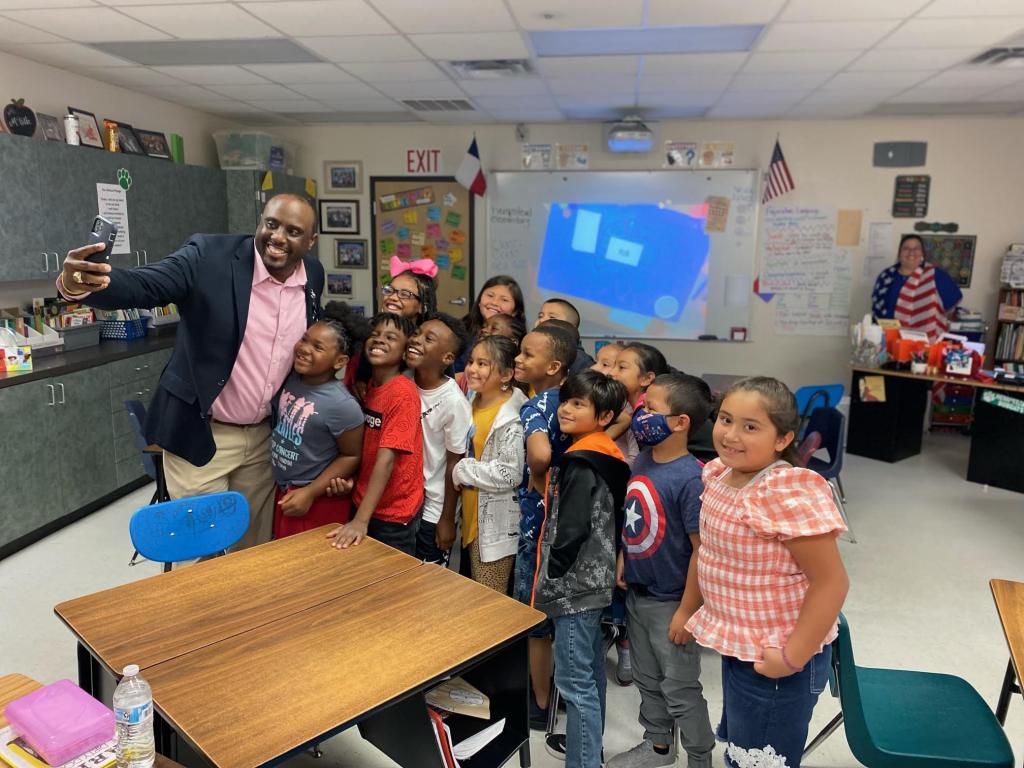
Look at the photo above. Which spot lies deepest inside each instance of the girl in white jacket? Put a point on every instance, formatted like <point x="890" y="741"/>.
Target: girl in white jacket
<point x="494" y="467"/>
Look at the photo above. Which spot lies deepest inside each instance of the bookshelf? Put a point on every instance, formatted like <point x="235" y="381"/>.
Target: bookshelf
<point x="1009" y="345"/>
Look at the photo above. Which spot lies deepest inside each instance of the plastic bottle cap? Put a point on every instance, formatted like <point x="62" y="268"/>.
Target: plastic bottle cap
<point x="131" y="670"/>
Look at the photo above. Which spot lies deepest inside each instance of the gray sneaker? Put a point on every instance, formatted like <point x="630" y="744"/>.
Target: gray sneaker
<point x="623" y="666"/>
<point x="643" y="756"/>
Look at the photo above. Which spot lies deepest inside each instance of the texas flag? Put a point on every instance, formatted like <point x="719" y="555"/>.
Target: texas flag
<point x="470" y="175"/>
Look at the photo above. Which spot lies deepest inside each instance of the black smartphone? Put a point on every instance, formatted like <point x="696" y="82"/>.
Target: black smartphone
<point x="104" y="232"/>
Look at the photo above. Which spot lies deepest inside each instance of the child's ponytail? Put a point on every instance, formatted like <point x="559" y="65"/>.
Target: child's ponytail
<point x="351" y="328"/>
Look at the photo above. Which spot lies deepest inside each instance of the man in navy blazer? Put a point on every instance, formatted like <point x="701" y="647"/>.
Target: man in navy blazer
<point x="244" y="302"/>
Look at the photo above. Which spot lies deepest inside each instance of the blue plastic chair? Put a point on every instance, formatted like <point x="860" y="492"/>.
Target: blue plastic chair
<point x="152" y="462"/>
<point x="828" y="423"/>
<point x="189" y="528"/>
<point x="814" y="396"/>
<point x="898" y="718"/>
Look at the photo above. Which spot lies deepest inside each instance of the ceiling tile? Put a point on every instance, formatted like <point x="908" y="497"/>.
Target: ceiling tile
<point x="975" y="8"/>
<point x="289" y="105"/>
<point x="202" y="22"/>
<point x="509" y="103"/>
<point x="528" y="115"/>
<point x="824" y="36"/>
<point x="878" y="93"/>
<point x="454" y="16"/>
<point x="577" y="14"/>
<point x="944" y="108"/>
<point x="362" y="48"/>
<point x="685" y="82"/>
<point x="481" y="45"/>
<point x="364" y="104"/>
<point x="453" y="118"/>
<point x="673" y="13"/>
<point x="580" y="114"/>
<point x="251" y="92"/>
<point x="213" y="75"/>
<point x="816" y="10"/>
<point x="768" y="81"/>
<point x="770" y="99"/>
<point x="820" y="61"/>
<point x="8" y="5"/>
<point x="571" y="85"/>
<point x="981" y="77"/>
<point x="909" y="60"/>
<point x="676" y="112"/>
<point x="88" y="25"/>
<point x="65" y="55"/>
<point x="321" y="17"/>
<point x="619" y="102"/>
<point x="838" y="111"/>
<point x="322" y="118"/>
<point x="953" y="33"/>
<point x="587" y="66"/>
<point x="855" y="80"/>
<point x="667" y="63"/>
<point x="936" y="95"/>
<point x="325" y="91"/>
<point x="20" y="33"/>
<point x="300" y="73"/>
<point x="685" y="101"/>
<point x="410" y="71"/>
<point x="129" y="76"/>
<point x="517" y="86"/>
<point x="433" y="89"/>
<point x="746" y="111"/>
<point x="1009" y="93"/>
<point x="184" y="93"/>
<point x="153" y="2"/>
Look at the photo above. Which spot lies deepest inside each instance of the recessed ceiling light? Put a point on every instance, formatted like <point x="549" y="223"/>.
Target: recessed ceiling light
<point x="210" y="52"/>
<point x="636" y="41"/>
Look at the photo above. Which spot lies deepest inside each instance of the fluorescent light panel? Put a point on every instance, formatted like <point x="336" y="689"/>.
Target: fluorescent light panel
<point x="210" y="52"/>
<point x="626" y="42"/>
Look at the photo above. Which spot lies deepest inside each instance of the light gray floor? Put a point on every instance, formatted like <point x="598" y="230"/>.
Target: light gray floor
<point x="928" y="543"/>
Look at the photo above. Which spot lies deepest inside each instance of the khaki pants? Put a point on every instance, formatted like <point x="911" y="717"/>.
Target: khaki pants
<point x="241" y="463"/>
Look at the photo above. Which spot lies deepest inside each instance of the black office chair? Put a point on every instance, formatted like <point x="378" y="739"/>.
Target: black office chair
<point x="152" y="461"/>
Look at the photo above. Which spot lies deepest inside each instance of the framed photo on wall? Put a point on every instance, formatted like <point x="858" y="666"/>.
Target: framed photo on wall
<point x="88" y="128"/>
<point x="339" y="283"/>
<point x="339" y="217"/>
<point x="349" y="254"/>
<point x="154" y="143"/>
<point x="51" y="128"/>
<point x="127" y="141"/>
<point x="345" y="176"/>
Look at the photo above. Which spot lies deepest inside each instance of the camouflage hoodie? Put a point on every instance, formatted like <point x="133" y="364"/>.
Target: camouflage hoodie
<point x="576" y="556"/>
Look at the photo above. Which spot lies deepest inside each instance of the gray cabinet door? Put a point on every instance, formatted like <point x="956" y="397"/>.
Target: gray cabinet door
<point x="83" y="410"/>
<point x="22" y="220"/>
<point x="246" y="198"/>
<point x="154" y="197"/>
<point x="206" y="209"/>
<point x="29" y="459"/>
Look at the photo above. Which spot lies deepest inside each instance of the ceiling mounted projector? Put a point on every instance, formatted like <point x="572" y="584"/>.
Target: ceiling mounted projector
<point x="630" y="134"/>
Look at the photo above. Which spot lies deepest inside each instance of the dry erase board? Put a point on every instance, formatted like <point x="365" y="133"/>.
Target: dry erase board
<point x="646" y="255"/>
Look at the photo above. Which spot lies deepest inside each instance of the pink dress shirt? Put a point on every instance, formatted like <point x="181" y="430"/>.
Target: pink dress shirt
<point x="277" y="320"/>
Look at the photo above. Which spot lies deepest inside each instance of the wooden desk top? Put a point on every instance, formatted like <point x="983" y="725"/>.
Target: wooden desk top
<point x="14" y="687"/>
<point x="156" y="619"/>
<point x="329" y="665"/>
<point x="1009" y="598"/>
<point x="940" y="379"/>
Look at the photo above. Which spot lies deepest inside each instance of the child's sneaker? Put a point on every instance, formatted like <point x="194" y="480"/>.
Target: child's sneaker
<point x="623" y="667"/>
<point x="643" y="756"/>
<point x="554" y="743"/>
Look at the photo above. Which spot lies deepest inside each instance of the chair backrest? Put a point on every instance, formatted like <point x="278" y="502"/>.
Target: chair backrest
<point x="812" y="397"/>
<point x="185" y="529"/>
<point x="137" y="416"/>
<point x="808" y="446"/>
<point x="850" y="700"/>
<point x="828" y="422"/>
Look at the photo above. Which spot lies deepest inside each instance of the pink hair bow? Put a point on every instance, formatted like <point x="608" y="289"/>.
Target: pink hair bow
<point x="418" y="267"/>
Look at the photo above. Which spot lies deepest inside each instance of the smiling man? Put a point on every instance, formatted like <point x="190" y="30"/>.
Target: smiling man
<point x="244" y="303"/>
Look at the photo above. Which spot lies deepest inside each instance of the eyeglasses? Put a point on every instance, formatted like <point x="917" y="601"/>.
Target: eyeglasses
<point x="403" y="294"/>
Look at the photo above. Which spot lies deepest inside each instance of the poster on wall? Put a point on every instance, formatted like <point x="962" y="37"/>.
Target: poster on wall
<point x="954" y="254"/>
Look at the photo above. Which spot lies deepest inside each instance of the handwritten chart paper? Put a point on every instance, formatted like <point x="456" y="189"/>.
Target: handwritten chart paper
<point x="798" y="253"/>
<point x="818" y="314"/>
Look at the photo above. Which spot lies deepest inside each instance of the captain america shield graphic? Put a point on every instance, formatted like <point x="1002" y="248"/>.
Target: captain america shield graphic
<point x="644" y="526"/>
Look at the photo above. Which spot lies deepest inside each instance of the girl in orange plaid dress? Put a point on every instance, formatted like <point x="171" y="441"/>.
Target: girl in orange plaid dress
<point x="771" y="576"/>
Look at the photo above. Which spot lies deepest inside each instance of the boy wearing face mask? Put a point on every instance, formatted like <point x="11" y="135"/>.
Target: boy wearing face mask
<point x="657" y="566"/>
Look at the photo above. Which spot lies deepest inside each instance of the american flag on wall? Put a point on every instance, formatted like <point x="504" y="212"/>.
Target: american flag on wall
<point x="779" y="179"/>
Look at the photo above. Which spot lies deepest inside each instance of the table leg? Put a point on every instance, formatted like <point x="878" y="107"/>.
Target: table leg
<point x="524" y="755"/>
<point x="1004" y="695"/>
<point x="88" y="672"/>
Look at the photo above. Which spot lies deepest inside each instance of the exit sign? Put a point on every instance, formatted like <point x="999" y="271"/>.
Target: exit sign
<point x="422" y="160"/>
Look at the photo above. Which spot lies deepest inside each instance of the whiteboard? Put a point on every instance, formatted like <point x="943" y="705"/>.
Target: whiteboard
<point x="677" y="292"/>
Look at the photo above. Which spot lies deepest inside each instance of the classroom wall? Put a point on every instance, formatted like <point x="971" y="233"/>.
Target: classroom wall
<point x="976" y="165"/>
<point x="50" y="90"/>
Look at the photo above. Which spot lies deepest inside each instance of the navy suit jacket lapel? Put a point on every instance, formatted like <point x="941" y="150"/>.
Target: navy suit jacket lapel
<point x="242" y="268"/>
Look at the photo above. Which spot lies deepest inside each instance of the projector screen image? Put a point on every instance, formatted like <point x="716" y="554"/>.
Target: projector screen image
<point x="642" y="262"/>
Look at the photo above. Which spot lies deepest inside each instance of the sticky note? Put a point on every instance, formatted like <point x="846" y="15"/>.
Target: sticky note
<point x="455" y="254"/>
<point x="449" y="199"/>
<point x="442" y="244"/>
<point x="387" y="246"/>
<point x="433" y="231"/>
<point x="410" y="217"/>
<point x="311" y="187"/>
<point x="428" y="252"/>
<point x="624" y="251"/>
<point x="268" y="182"/>
<point x="453" y="219"/>
<point x="584" y="236"/>
<point x="418" y="238"/>
<point x="387" y="227"/>
<point x="434" y="213"/>
<point x="457" y="236"/>
<point x="403" y="233"/>
<point x="404" y="251"/>
<point x="442" y="261"/>
<point x="459" y="272"/>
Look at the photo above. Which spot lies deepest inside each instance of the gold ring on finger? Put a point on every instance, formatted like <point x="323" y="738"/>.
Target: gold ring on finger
<point x="77" y="277"/>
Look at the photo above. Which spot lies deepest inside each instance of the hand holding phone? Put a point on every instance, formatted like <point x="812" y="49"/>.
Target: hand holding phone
<point x="103" y="232"/>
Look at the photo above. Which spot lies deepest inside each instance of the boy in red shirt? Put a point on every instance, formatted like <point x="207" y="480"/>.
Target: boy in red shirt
<point x="389" y="489"/>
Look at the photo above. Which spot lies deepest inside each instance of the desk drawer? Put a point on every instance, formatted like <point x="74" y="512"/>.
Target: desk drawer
<point x="134" y="390"/>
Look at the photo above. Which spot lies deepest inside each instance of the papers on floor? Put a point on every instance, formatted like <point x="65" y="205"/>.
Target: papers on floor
<point x="458" y="696"/>
<point x="465" y="749"/>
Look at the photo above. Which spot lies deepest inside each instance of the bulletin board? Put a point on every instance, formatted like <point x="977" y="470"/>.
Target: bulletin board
<point x="425" y="217"/>
<point x="954" y="254"/>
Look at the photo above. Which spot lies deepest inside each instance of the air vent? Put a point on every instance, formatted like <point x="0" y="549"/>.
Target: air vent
<point x="438" y="105"/>
<point x="490" y="69"/>
<point x="1000" y="57"/>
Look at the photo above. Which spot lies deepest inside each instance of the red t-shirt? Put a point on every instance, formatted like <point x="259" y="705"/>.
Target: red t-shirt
<point x="392" y="418"/>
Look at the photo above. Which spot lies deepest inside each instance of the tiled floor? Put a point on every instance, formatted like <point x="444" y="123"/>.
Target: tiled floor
<point x="928" y="542"/>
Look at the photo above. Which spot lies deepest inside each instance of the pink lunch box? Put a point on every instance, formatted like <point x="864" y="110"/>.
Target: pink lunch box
<point x="60" y="721"/>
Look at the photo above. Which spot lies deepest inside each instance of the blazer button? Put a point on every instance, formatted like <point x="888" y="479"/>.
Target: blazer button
<point x="220" y="383"/>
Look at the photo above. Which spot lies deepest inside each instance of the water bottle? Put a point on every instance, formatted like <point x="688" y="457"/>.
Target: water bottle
<point x="133" y="713"/>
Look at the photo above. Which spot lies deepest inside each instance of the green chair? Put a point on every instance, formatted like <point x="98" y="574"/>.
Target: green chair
<point x="901" y="719"/>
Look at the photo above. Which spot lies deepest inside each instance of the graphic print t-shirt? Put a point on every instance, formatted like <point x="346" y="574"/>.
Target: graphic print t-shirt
<point x="662" y="508"/>
<point x="309" y="419"/>
<point x="392" y="420"/>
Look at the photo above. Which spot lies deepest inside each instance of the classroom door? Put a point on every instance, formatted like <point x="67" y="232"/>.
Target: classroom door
<point x="425" y="217"/>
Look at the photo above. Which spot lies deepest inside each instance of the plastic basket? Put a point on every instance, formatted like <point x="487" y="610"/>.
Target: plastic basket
<point x="124" y="330"/>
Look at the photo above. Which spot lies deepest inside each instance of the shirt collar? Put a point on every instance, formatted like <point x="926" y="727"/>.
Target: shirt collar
<point x="260" y="273"/>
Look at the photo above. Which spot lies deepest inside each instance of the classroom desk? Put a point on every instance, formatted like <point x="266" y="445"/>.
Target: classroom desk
<point x="1009" y="600"/>
<point x="892" y="431"/>
<point x="305" y="669"/>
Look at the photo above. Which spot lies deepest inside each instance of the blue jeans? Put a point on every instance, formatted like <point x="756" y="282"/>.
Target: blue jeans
<point x="759" y="713"/>
<point x="580" y="678"/>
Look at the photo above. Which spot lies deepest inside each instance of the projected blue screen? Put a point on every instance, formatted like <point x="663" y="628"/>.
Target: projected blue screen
<point x="641" y="259"/>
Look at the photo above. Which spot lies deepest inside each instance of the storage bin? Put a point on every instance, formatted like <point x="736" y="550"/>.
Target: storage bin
<point x="79" y="336"/>
<point x="243" y="150"/>
<point x="124" y="330"/>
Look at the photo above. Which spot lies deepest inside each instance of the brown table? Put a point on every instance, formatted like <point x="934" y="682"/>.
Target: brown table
<point x="345" y="637"/>
<point x="14" y="687"/>
<point x="1009" y="599"/>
